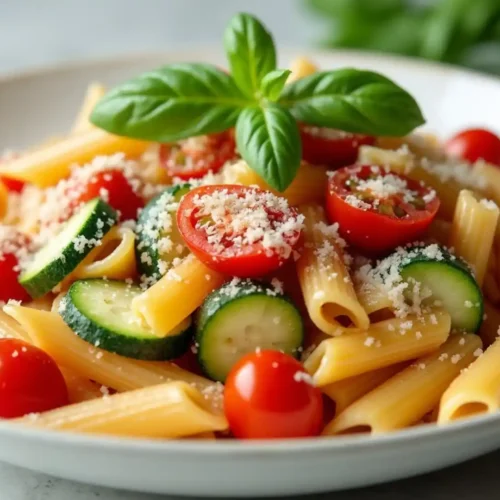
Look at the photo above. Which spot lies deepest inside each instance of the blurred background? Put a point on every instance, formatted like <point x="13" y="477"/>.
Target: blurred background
<point x="39" y="32"/>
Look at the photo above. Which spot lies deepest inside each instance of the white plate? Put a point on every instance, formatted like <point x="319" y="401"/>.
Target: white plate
<point x="40" y="104"/>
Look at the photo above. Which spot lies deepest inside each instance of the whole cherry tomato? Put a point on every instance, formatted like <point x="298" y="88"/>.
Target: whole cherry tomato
<point x="475" y="144"/>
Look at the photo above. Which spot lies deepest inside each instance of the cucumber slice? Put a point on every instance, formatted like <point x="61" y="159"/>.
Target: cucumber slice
<point x="58" y="258"/>
<point x="157" y="229"/>
<point x="241" y="317"/>
<point x="451" y="283"/>
<point x="100" y="312"/>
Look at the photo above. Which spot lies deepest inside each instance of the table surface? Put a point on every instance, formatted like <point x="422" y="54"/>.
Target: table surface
<point x="33" y="35"/>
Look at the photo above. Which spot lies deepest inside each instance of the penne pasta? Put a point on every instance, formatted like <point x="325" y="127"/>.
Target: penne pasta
<point x="344" y="392"/>
<point x="490" y="328"/>
<point x="82" y="122"/>
<point x="473" y="230"/>
<point x="177" y="295"/>
<point x="383" y="344"/>
<point x="301" y="67"/>
<point x="48" y="165"/>
<point x="80" y="388"/>
<point x="388" y="407"/>
<point x="171" y="410"/>
<point x="324" y="277"/>
<point x="476" y="391"/>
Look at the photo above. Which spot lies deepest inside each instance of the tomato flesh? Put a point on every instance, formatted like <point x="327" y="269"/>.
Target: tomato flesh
<point x="475" y="144"/>
<point x="30" y="380"/>
<point x="12" y="185"/>
<point x="233" y="253"/>
<point x="377" y="225"/>
<point x="114" y="188"/>
<point x="269" y="395"/>
<point x="195" y="157"/>
<point x="334" y="148"/>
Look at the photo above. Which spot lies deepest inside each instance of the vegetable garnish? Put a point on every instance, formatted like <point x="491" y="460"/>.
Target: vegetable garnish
<point x="179" y="101"/>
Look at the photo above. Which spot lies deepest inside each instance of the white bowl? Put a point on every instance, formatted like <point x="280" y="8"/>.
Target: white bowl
<point x="43" y="103"/>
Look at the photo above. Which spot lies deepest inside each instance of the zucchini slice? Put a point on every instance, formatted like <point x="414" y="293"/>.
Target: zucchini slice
<point x="451" y="283"/>
<point x="243" y="316"/>
<point x="158" y="240"/>
<point x="100" y="312"/>
<point x="58" y="258"/>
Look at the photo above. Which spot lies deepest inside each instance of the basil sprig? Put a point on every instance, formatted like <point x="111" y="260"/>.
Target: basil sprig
<point x="184" y="100"/>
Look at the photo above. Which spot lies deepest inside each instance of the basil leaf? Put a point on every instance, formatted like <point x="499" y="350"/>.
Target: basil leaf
<point x="353" y="100"/>
<point x="268" y="140"/>
<point x="250" y="51"/>
<point x="171" y="103"/>
<point x="273" y="83"/>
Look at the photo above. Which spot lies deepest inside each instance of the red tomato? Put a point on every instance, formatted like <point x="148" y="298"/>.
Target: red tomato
<point x="12" y="184"/>
<point x="11" y="242"/>
<point x="226" y="228"/>
<point x="377" y="210"/>
<point x="475" y="144"/>
<point x="30" y="380"/>
<point x="118" y="193"/>
<point x="194" y="157"/>
<point x="269" y="395"/>
<point x="334" y="148"/>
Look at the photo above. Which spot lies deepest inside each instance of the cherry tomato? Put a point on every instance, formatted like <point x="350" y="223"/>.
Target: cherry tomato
<point x="113" y="187"/>
<point x="377" y="210"/>
<point x="12" y="185"/>
<point x="11" y="242"/>
<point x="237" y="230"/>
<point x="30" y="380"/>
<point x="334" y="148"/>
<point x="475" y="144"/>
<point x="194" y="157"/>
<point x="268" y="394"/>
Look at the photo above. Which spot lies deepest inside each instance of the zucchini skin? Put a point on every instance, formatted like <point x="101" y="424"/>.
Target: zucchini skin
<point x="53" y="273"/>
<point x="218" y="300"/>
<point x="151" y="348"/>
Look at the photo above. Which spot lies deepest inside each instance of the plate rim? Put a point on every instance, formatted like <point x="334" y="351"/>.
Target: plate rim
<point x="236" y="447"/>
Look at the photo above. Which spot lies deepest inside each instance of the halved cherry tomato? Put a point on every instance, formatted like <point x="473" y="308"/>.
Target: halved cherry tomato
<point x="30" y="380"/>
<point x="334" y="148"/>
<point x="194" y="157"/>
<point x="268" y="394"/>
<point x="113" y="187"/>
<point x="11" y="242"/>
<point x="377" y="210"/>
<point x="475" y="144"/>
<point x="238" y="230"/>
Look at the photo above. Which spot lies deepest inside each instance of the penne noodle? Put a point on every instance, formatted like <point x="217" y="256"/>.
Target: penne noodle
<point x="177" y="295"/>
<point x="476" y="391"/>
<point x="473" y="230"/>
<point x="490" y="327"/>
<point x="171" y="410"/>
<point x="48" y="165"/>
<point x="411" y="394"/>
<point x="80" y="388"/>
<point x="383" y="344"/>
<point x="324" y="277"/>
<point x="82" y="122"/>
<point x="301" y="67"/>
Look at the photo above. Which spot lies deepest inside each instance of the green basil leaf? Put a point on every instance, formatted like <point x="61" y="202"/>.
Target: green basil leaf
<point x="273" y="83"/>
<point x="250" y="51"/>
<point x="171" y="103"/>
<point x="353" y="100"/>
<point x="268" y="140"/>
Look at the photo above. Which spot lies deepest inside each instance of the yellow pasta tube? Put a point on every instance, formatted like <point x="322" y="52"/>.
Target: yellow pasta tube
<point x="345" y="392"/>
<point x="82" y="122"/>
<point x="80" y="388"/>
<point x="48" y="331"/>
<point x="490" y="327"/>
<point x="491" y="175"/>
<point x="10" y="328"/>
<point x="170" y="410"/>
<point x="476" y="391"/>
<point x="399" y="162"/>
<point x="473" y="230"/>
<point x="372" y="298"/>
<point x="308" y="186"/>
<point x="412" y="393"/>
<point x="324" y="278"/>
<point x="49" y="164"/>
<point x="203" y="436"/>
<point x="301" y="67"/>
<point x="383" y="344"/>
<point x="178" y="294"/>
<point x="114" y="259"/>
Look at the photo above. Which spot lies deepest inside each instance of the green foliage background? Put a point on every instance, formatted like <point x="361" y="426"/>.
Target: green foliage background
<point x="464" y="32"/>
